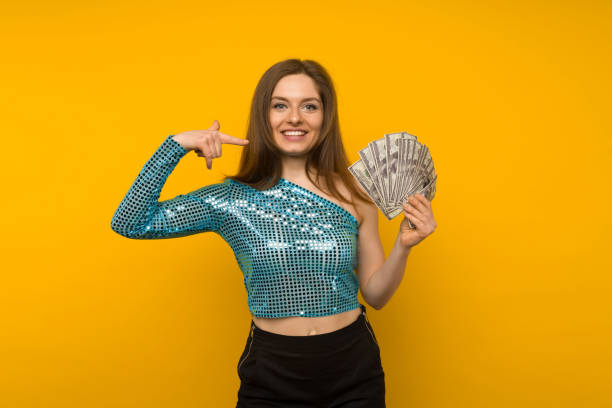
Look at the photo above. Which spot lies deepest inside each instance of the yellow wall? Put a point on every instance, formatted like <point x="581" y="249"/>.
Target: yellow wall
<point x="507" y="304"/>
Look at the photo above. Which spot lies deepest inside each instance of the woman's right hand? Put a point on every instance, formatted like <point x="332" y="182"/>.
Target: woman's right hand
<point x="207" y="143"/>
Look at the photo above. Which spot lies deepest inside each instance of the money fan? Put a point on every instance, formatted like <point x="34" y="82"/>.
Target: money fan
<point x="392" y="168"/>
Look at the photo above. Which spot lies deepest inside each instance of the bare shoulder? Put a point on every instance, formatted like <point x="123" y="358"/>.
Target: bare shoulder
<point x="366" y="212"/>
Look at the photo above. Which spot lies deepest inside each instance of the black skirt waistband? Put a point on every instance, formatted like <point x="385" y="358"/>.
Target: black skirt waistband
<point x="340" y="336"/>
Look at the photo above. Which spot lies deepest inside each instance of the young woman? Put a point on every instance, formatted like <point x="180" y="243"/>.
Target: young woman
<point x="304" y="235"/>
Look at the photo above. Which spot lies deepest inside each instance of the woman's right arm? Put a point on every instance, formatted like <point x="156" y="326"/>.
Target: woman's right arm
<point x="141" y="216"/>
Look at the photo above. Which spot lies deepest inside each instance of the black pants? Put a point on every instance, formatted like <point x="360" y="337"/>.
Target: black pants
<point x="340" y="369"/>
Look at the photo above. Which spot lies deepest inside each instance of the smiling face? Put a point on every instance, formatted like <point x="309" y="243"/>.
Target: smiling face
<point x="295" y="105"/>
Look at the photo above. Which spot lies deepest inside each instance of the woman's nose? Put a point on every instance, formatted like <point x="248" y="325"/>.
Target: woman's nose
<point x="294" y="115"/>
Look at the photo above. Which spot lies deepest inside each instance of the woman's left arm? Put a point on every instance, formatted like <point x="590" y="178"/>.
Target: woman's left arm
<point x="380" y="278"/>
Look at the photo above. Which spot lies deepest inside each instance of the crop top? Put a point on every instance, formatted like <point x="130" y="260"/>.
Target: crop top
<point x="296" y="249"/>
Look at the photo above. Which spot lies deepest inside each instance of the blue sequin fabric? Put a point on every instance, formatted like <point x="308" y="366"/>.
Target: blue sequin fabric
<point x="297" y="250"/>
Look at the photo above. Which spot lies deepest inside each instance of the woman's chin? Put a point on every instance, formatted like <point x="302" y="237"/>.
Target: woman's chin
<point x="294" y="149"/>
<point x="295" y="152"/>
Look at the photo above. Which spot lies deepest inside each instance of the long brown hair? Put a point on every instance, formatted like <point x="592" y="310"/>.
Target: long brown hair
<point x="260" y="166"/>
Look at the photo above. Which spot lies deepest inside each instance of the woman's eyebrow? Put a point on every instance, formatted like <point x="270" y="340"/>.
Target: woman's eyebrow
<point x="305" y="99"/>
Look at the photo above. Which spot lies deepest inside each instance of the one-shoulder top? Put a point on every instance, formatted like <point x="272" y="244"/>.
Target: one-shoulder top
<point x="296" y="249"/>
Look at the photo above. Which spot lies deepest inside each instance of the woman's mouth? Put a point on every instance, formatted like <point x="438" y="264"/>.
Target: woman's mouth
<point x="294" y="135"/>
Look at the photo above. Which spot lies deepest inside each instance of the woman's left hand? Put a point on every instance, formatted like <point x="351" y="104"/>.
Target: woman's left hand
<point x="418" y="210"/>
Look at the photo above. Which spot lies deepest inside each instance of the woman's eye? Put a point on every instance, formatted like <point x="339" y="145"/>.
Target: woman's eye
<point x="314" y="107"/>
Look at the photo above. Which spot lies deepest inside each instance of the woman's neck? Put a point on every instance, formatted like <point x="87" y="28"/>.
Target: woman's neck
<point x="294" y="168"/>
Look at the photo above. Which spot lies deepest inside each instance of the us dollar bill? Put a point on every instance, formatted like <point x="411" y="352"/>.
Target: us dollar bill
<point x="408" y="165"/>
<point x="368" y="160"/>
<point x="364" y="178"/>
<point x="379" y="156"/>
<point x="416" y="176"/>
<point x="393" y="144"/>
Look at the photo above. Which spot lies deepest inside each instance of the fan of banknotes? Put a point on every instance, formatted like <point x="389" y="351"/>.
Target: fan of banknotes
<point x="393" y="168"/>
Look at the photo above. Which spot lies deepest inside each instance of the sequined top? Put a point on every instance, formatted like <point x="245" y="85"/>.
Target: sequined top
<point x="297" y="250"/>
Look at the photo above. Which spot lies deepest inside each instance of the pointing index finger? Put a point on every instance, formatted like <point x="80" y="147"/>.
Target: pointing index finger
<point x="232" y="140"/>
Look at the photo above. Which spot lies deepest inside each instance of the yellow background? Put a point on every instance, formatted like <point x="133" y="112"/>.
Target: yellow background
<point x="507" y="304"/>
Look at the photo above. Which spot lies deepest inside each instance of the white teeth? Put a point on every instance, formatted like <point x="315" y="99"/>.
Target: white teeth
<point x="293" y="133"/>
